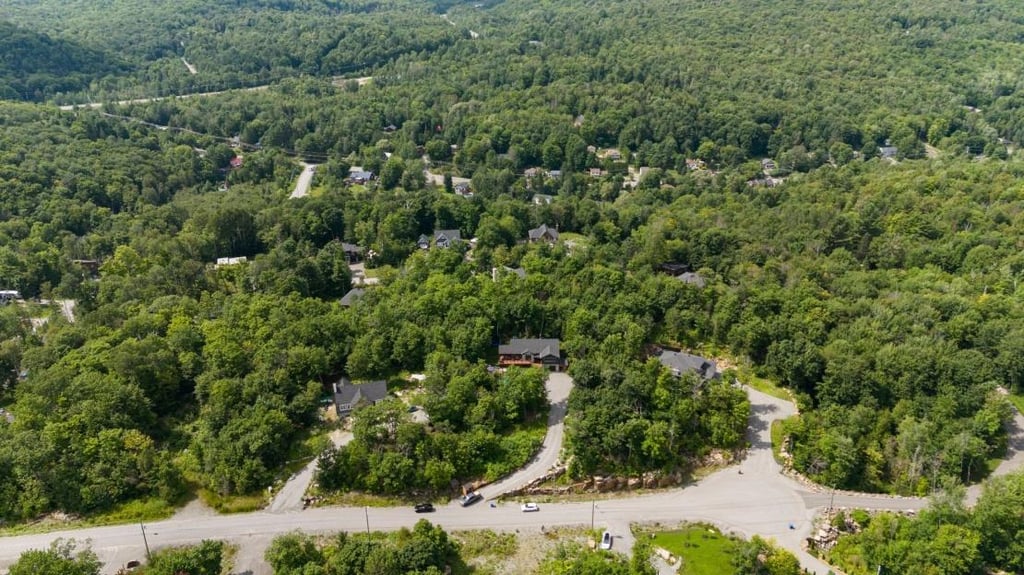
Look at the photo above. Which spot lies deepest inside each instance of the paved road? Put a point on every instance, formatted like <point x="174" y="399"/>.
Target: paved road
<point x="759" y="501"/>
<point x="558" y="385"/>
<point x="1012" y="460"/>
<point x="304" y="181"/>
<point x="289" y="498"/>
<point x="336" y="80"/>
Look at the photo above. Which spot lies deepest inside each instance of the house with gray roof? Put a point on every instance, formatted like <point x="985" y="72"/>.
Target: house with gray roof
<point x="349" y="299"/>
<point x="692" y="278"/>
<point x="348" y="396"/>
<point x="680" y="363"/>
<point x="543" y="234"/>
<point x="528" y="352"/>
<point x="446" y="238"/>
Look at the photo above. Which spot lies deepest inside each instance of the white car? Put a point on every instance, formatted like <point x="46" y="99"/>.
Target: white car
<point x="528" y="507"/>
<point x="606" y="540"/>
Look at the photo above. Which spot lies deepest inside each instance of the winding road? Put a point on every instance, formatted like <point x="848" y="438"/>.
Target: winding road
<point x="758" y="501"/>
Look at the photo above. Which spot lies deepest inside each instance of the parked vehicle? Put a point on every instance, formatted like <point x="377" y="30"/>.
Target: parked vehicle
<point x="470" y="498"/>
<point x="424" y="508"/>
<point x="606" y="540"/>
<point x="528" y="507"/>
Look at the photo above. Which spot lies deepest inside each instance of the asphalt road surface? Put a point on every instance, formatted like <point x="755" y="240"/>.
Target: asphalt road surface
<point x="289" y="497"/>
<point x="558" y="385"/>
<point x="760" y="501"/>
<point x="304" y="181"/>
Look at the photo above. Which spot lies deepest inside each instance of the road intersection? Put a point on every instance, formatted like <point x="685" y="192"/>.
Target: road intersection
<point x="751" y="498"/>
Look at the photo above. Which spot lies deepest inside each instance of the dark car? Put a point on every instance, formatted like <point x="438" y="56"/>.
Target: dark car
<point x="470" y="498"/>
<point x="424" y="508"/>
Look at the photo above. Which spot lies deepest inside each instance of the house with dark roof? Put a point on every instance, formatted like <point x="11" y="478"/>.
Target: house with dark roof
<point x="350" y="298"/>
<point x="543" y="234"/>
<point x="532" y="352"/>
<point x="446" y="238"/>
<point x="353" y="253"/>
<point x="692" y="278"/>
<point x="348" y="396"/>
<point x="680" y="363"/>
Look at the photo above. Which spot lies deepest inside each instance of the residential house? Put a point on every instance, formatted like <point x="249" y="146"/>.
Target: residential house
<point x="236" y="162"/>
<point x="532" y="352"/>
<point x="221" y="262"/>
<point x="610" y="154"/>
<point x="92" y="267"/>
<point x="555" y="174"/>
<point x="597" y="172"/>
<point x="350" y="298"/>
<point x="358" y="176"/>
<point x="887" y="152"/>
<point x="446" y="238"/>
<point x="423" y="242"/>
<point x="767" y="165"/>
<point x="9" y="295"/>
<point x="543" y="234"/>
<point x="673" y="268"/>
<point x="463" y="190"/>
<point x="680" y="363"/>
<point x="353" y="253"/>
<point x="348" y="396"/>
<point x="390" y="128"/>
<point x="692" y="278"/>
<point x="542" y="199"/>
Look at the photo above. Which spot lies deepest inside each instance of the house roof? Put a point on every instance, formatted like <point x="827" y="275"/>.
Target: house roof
<point x="534" y="347"/>
<point x="681" y="363"/>
<point x="542" y="231"/>
<point x="345" y="393"/>
<point x="351" y="248"/>
<point x="361" y="175"/>
<point x="450" y="235"/>
<point x="888" y="151"/>
<point x="351" y="297"/>
<point x="692" y="278"/>
<point x="542" y="199"/>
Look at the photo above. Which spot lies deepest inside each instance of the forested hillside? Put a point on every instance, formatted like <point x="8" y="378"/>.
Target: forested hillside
<point x="738" y="140"/>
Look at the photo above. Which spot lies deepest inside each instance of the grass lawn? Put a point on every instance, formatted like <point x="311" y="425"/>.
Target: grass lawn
<point x="1017" y="401"/>
<point x="703" y="550"/>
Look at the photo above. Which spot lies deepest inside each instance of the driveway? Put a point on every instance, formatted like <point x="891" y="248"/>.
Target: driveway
<point x="289" y="498"/>
<point x="304" y="181"/>
<point x="558" y="385"/>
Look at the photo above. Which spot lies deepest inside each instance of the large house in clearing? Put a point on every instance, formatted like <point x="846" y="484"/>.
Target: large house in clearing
<point x="348" y="396"/>
<point x="679" y="363"/>
<point x="532" y="353"/>
<point x="543" y="234"/>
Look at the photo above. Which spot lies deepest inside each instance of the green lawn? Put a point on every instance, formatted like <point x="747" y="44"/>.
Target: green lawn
<point x="1018" y="401"/>
<point x="703" y="550"/>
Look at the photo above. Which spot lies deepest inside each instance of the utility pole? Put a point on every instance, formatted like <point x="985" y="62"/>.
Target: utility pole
<point x="149" y="556"/>
<point x="593" y="506"/>
<point x="366" y="513"/>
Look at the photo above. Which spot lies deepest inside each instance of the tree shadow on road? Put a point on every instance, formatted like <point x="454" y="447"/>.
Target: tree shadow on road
<point x="760" y="421"/>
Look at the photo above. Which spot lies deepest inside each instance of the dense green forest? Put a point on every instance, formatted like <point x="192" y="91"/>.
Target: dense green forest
<point x="883" y="291"/>
<point x="947" y="538"/>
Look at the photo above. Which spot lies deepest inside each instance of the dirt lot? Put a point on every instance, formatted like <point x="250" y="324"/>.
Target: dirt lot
<point x="501" y="554"/>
